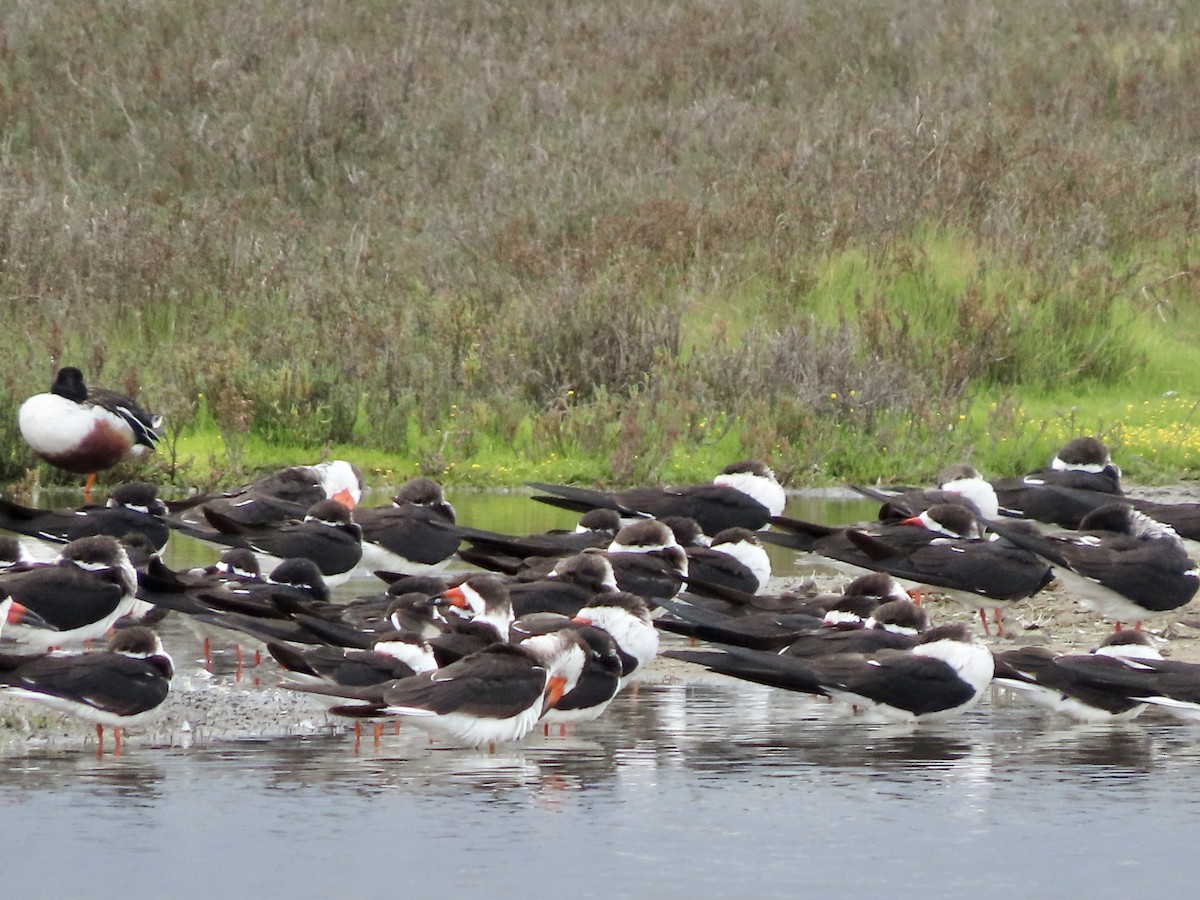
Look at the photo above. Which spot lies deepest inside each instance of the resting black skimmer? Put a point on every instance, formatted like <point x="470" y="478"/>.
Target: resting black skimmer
<point x="407" y="536"/>
<point x="745" y="494"/>
<point x="626" y="617"/>
<point x="496" y="694"/>
<point x="735" y="559"/>
<point x="86" y="430"/>
<point x="955" y="483"/>
<point x="118" y="687"/>
<point x="945" y="547"/>
<point x="895" y="624"/>
<point x="647" y="560"/>
<point x="1065" y="491"/>
<point x="1084" y="686"/>
<point x="942" y="676"/>
<point x="509" y="553"/>
<point x="328" y="535"/>
<point x="1121" y="563"/>
<point x="81" y="595"/>
<point x="130" y="508"/>
<point x="568" y="587"/>
<point x="275" y="498"/>
<point x="391" y="657"/>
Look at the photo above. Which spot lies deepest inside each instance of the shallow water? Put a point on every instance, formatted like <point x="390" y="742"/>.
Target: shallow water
<point x="698" y="790"/>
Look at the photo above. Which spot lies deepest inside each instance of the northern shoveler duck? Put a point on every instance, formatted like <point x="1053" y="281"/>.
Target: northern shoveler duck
<point x="86" y="430"/>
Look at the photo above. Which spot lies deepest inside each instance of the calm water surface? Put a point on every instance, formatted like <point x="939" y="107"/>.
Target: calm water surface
<point x="705" y="790"/>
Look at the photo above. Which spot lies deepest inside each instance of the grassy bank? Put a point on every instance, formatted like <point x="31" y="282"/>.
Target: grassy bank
<point x="608" y="241"/>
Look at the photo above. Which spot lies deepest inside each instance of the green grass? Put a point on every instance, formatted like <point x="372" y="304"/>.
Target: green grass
<point x="607" y="241"/>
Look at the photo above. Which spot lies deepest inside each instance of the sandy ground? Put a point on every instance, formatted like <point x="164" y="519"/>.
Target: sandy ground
<point x="224" y="705"/>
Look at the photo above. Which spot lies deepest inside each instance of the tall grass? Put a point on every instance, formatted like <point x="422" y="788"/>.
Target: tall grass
<point x="465" y="232"/>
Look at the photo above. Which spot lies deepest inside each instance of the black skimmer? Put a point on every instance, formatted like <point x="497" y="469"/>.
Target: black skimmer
<point x="942" y="676"/>
<point x="1121" y="563"/>
<point x="406" y="537"/>
<point x="956" y="483"/>
<point x="598" y="683"/>
<point x="1066" y="490"/>
<point x="391" y="657"/>
<point x="328" y="535"/>
<point x="131" y="508"/>
<point x="481" y="614"/>
<point x="568" y="587"/>
<point x="81" y="595"/>
<point x="626" y="617"/>
<point x="118" y="687"/>
<point x="1167" y="684"/>
<point x="647" y="560"/>
<point x="496" y="694"/>
<point x="735" y="559"/>
<point x="276" y="498"/>
<point x="1084" y="686"/>
<point x="893" y="624"/>
<point x="948" y="549"/>
<point x="943" y="520"/>
<point x="86" y="430"/>
<point x="745" y="494"/>
<point x="263" y="609"/>
<point x="509" y="553"/>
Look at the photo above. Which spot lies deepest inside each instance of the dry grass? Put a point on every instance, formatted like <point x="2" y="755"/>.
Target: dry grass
<point x="337" y="220"/>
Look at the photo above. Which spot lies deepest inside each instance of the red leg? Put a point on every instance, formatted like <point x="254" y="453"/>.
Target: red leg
<point x="87" y="487"/>
<point x="983" y="619"/>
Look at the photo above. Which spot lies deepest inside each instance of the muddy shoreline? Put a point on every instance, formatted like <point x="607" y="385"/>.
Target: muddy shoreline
<point x="226" y="705"/>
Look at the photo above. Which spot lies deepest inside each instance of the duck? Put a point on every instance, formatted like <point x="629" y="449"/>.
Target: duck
<point x="86" y="430"/>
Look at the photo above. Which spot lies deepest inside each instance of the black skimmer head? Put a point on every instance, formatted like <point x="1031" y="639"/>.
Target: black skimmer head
<point x="590" y="570"/>
<point x="1086" y="454"/>
<point x="12" y="553"/>
<point x="899" y="617"/>
<point x="598" y="683"/>
<point x="303" y="575"/>
<point x="103" y="556"/>
<point x="687" y="531"/>
<point x="239" y="564"/>
<point x="426" y="492"/>
<point x="607" y="521"/>
<point x="483" y="599"/>
<point x="951" y="520"/>
<point x="12" y="612"/>
<point x="138" y="496"/>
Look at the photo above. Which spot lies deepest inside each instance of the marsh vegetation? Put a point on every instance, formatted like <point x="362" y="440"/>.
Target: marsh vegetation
<point x="608" y="240"/>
